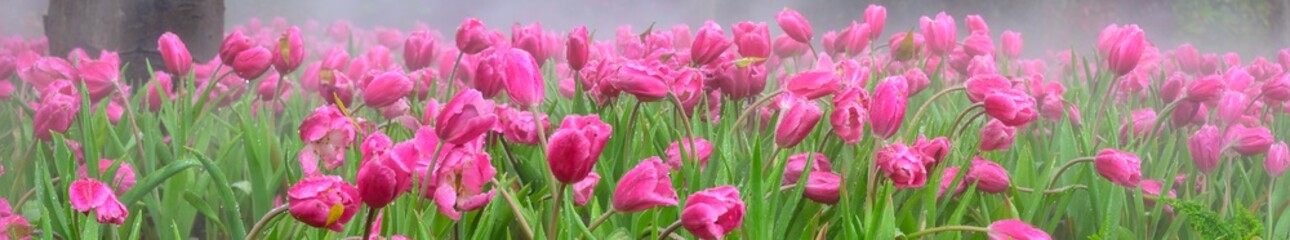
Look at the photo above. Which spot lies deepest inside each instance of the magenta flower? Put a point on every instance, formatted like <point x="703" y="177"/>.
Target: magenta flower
<point x="290" y="51"/>
<point x="850" y="111"/>
<point x="1249" y="141"/>
<point x="323" y="202"/>
<point x="708" y="44"/>
<point x="465" y="118"/>
<point x="752" y="39"/>
<point x="813" y="84"/>
<point x="1013" y="229"/>
<point x="978" y="44"/>
<point x="457" y="182"/>
<point x="796" y="122"/>
<point x="125" y="176"/>
<point x="386" y="89"/>
<point x="419" y="50"/>
<point x="472" y="36"/>
<point x="988" y="176"/>
<point x="646" y="186"/>
<point x="1138" y="125"/>
<point x="577" y="48"/>
<point x="645" y="80"/>
<point x="691" y="148"/>
<point x="1012" y="44"/>
<point x="326" y="133"/>
<point x="796" y="166"/>
<point x="1012" y="107"/>
<point x="941" y="33"/>
<point x="794" y="25"/>
<point x="56" y="112"/>
<point x="88" y="194"/>
<point x="823" y="187"/>
<point x="902" y="165"/>
<point x="947" y="178"/>
<point x="996" y="136"/>
<point x="981" y="86"/>
<point x="887" y="111"/>
<point x="714" y="212"/>
<point x="1120" y="167"/>
<point x="933" y="150"/>
<point x="585" y="189"/>
<point x="235" y="43"/>
<point x="876" y="17"/>
<point x="523" y="83"/>
<point x="785" y="47"/>
<point x="1129" y="45"/>
<point x="519" y="127"/>
<point x="1277" y="159"/>
<point x="174" y="54"/>
<point x="575" y="147"/>
<point x="385" y="173"/>
<point x="1206" y="89"/>
<point x="854" y="39"/>
<point x="1206" y="147"/>
<point x="252" y="63"/>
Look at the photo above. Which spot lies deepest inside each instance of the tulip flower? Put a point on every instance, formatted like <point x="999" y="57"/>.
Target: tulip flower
<point x="473" y="36"/>
<point x="887" y="111"/>
<point x="252" y="63"/>
<point x="1249" y="141"/>
<point x="1232" y="106"/>
<point x="465" y="118"/>
<point x="1013" y="229"/>
<point x="823" y="187"/>
<point x="529" y="39"/>
<point x="849" y="114"/>
<point x="712" y="213"/>
<point x="1206" y="89"/>
<point x="457" y="181"/>
<point x="752" y="39"/>
<point x="386" y="171"/>
<point x="876" y="17"/>
<point x="854" y="39"/>
<point x="947" y="178"/>
<point x="56" y="113"/>
<point x="796" y="166"/>
<point x="577" y="48"/>
<point x="1012" y="107"/>
<point x="235" y="43"/>
<point x="174" y="54"/>
<point x="326" y="134"/>
<point x="290" y="52"/>
<point x="1277" y="159"/>
<point x="1138" y="125"/>
<point x="518" y="126"/>
<point x="323" y="202"/>
<point x="742" y="82"/>
<point x="708" y="44"/>
<point x="988" y="176"/>
<point x="996" y="136"/>
<point x="585" y="189"/>
<point x="575" y="147"/>
<point x="1120" y="167"/>
<point x="643" y="80"/>
<point x="645" y="186"/>
<point x="980" y="86"/>
<point x="387" y="88"/>
<point x="786" y="47"/>
<point x="88" y="194"/>
<point x="13" y="225"/>
<point x="976" y="24"/>
<point x="794" y="25"/>
<point x="1277" y="88"/>
<point x="418" y="50"/>
<point x="902" y="165"/>
<point x="978" y="44"/>
<point x="1011" y="44"/>
<point x="688" y="148"/>
<point x="124" y="178"/>
<point x="933" y="150"/>
<point x="1127" y="50"/>
<point x="1153" y="188"/>
<point x="941" y="33"/>
<point x="797" y="121"/>
<point x="1206" y="147"/>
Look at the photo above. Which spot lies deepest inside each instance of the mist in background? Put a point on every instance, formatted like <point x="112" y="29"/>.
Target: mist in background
<point x="1249" y="27"/>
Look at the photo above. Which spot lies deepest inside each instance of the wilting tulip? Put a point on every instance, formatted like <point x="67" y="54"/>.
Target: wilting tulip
<point x="933" y="150"/>
<point x="714" y="212"/>
<point x="1249" y="141"/>
<point x="988" y="176"/>
<point x="326" y="134"/>
<point x="458" y="180"/>
<point x="996" y="136"/>
<point x="1013" y="229"/>
<point x="577" y="49"/>
<point x="1206" y="146"/>
<point x="1127" y="51"/>
<point x="752" y="39"/>
<point x="46" y="70"/>
<point x="418" y="50"/>
<point x="902" y="165"/>
<point x="795" y="25"/>
<point x="797" y="121"/>
<point x="708" y="44"/>
<point x="941" y="33"/>
<point x="786" y="47"/>
<point x="252" y="63"/>
<point x="1012" y="44"/>
<point x="124" y="178"/>
<point x="290" y="52"/>
<point x="585" y="189"/>
<point x="174" y="54"/>
<point x="323" y="202"/>
<point x="796" y="166"/>
<point x="387" y="88"/>
<point x="1277" y="159"/>
<point x="643" y="80"/>
<point x="876" y="17"/>
<point x="1119" y="167"/>
<point x="88" y="194"/>
<point x="813" y="84"/>
<point x="235" y="43"/>
<point x="464" y="118"/>
<point x="646" y="186"/>
<point x="575" y="147"/>
<point x="887" y="111"/>
<point x="1012" y="107"/>
<point x="681" y="149"/>
<point x="1138" y="125"/>
<point x="473" y="36"/>
<point x="849" y="114"/>
<point x="1206" y="89"/>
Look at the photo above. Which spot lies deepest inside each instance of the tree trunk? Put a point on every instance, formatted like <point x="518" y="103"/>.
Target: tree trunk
<point x="131" y="27"/>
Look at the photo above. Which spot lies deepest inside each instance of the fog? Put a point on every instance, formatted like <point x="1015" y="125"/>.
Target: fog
<point x="1252" y="27"/>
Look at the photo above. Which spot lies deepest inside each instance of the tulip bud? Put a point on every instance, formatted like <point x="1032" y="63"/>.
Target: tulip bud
<point x="1277" y="159"/>
<point x="577" y="48"/>
<point x="853" y="40"/>
<point x="796" y="166"/>
<point x="1016" y="230"/>
<point x="1012" y="107"/>
<point x="887" y="112"/>
<point x="996" y="136"/>
<point x="252" y="63"/>
<point x="1127" y="51"/>
<point x="575" y="147"/>
<point x="290" y="52"/>
<point x="644" y="80"/>
<point x="418" y="50"/>
<point x="714" y="212"/>
<point x="1249" y="141"/>
<point x="988" y="176"/>
<point x="752" y="39"/>
<point x="692" y="149"/>
<point x="980" y="86"/>
<point x="794" y="25"/>
<point x="903" y="166"/>
<point x="473" y="36"/>
<point x="797" y="121"/>
<point x="233" y="45"/>
<point x="1119" y="167"/>
<point x="645" y="186"/>
<point x="464" y="118"/>
<point x="1206" y="147"/>
<point x="823" y="187"/>
<point x="1277" y="88"/>
<point x="174" y="54"/>
<point x="941" y="33"/>
<point x="978" y="44"/>
<point x="386" y="89"/>
<point x="1012" y="44"/>
<point x="708" y="44"/>
<point x="742" y="82"/>
<point x="947" y="178"/>
<point x="1140" y="123"/>
<point x="876" y="17"/>
<point x="323" y="202"/>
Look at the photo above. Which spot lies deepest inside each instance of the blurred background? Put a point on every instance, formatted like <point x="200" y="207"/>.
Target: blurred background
<point x="1248" y="27"/>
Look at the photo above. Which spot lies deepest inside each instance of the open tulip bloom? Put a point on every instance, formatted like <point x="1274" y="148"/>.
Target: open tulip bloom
<point x="764" y="127"/>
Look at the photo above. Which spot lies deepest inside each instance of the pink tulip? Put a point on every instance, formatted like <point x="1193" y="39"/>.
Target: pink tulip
<point x="643" y="80"/>
<point x="174" y="54"/>
<point x="387" y="88"/>
<point x="6" y="89"/>
<point x="323" y="202"/>
<point x="492" y="72"/>
<point x="529" y="39"/>
<point x="1262" y="70"/>
<point x="252" y="63"/>
<point x="681" y="35"/>
<point x="1232" y="106"/>
<point x="458" y="179"/>
<point x="786" y="47"/>
<point x="796" y="166"/>
<point x="1189" y="59"/>
<point x="887" y="112"/>
<point x="688" y="86"/>
<point x="1153" y="188"/>
<point x="56" y="113"/>
<point x="577" y="48"/>
<point x="235" y="43"/>
<point x="473" y="36"/>
<point x="941" y="33"/>
<point x="1138" y="125"/>
<point x="585" y="189"/>
<point x="849" y="114"/>
<point x="813" y="84"/>
<point x="712" y="213"/>
<point x="1277" y="88"/>
<point x="518" y="126"/>
<point x="46" y="70"/>
<point x="645" y="186"/>
<point x="419" y="50"/>
<point x="1012" y="107"/>
<point x="947" y="178"/>
<point x="575" y="147"/>
<point x="980" y="86"/>
<point x="1206" y="89"/>
<point x="978" y="43"/>
<point x="796" y="122"/>
<point x="688" y="148"/>
<point x="1119" y="167"/>
<point x="902" y="165"/>
<point x="1173" y="87"/>
<point x="1012" y="44"/>
<point x="1013" y="229"/>
<point x="326" y="134"/>
<point x="13" y="225"/>
<point x="88" y="194"/>
<point x="100" y="78"/>
<point x="290" y="51"/>
<point x="876" y="17"/>
<point x="933" y="150"/>
<point x="465" y="118"/>
<point x="823" y="187"/>
<point x="752" y="39"/>
<point x="916" y="80"/>
<point x="268" y="90"/>
<point x="742" y="82"/>
<point x="795" y="25"/>
<point x="854" y="39"/>
<point x="124" y="178"/>
<point x="385" y="172"/>
<point x="708" y="44"/>
<point x="1206" y="147"/>
<point x="988" y="176"/>
<point x="996" y="136"/>
<point x="976" y="24"/>
<point x="1277" y="159"/>
<point x="1188" y="112"/>
<point x="1127" y="50"/>
<point x="1249" y="141"/>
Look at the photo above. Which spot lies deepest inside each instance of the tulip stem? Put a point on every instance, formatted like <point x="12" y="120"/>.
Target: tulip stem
<point x="1101" y="109"/>
<point x="264" y="221"/>
<point x="524" y="224"/>
<point x="631" y="127"/>
<point x="371" y="217"/>
<point x="1068" y="165"/>
<point x="928" y="103"/>
<point x="962" y="114"/>
<point x="668" y="231"/>
<point x="1054" y="190"/>
<point x="1251" y="104"/>
<point x="969" y="121"/>
<point x="753" y="108"/>
<point x="452" y="75"/>
<point x="601" y="219"/>
<point x="555" y="211"/>
<point x="962" y="228"/>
